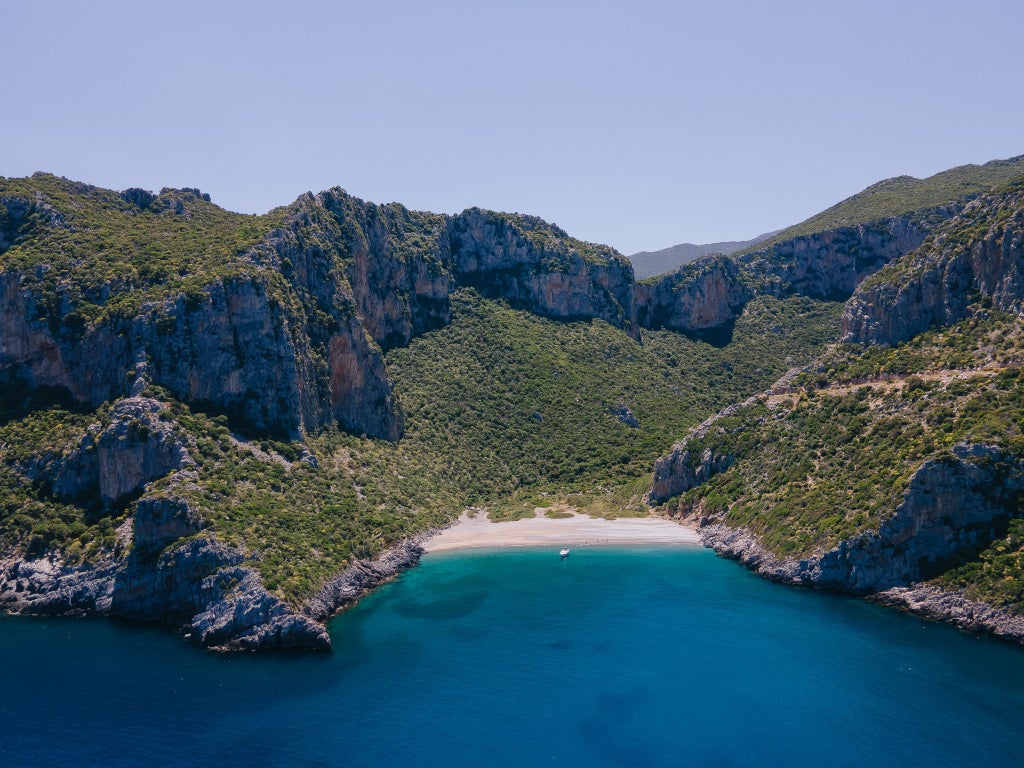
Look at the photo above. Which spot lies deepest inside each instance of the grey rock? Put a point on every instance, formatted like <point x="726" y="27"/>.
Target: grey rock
<point x="705" y="294"/>
<point x="941" y="280"/>
<point x="362" y="576"/>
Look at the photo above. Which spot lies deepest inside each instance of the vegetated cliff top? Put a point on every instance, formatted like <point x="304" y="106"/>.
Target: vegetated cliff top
<point x="906" y="194"/>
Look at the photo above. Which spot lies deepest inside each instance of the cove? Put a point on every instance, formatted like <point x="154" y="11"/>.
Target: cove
<point x="613" y="657"/>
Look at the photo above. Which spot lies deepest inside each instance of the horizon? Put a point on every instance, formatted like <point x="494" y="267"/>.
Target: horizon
<point x="640" y="126"/>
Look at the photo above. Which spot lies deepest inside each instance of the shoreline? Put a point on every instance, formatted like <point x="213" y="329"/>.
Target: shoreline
<point x="579" y="530"/>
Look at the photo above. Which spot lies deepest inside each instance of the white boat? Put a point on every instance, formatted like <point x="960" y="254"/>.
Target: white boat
<point x="564" y="552"/>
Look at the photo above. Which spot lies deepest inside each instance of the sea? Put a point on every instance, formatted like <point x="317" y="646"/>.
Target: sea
<point x="664" y="656"/>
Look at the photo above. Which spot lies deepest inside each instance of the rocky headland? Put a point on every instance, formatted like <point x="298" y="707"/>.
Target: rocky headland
<point x="948" y="509"/>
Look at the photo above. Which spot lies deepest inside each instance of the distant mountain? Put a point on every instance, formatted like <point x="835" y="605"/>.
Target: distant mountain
<point x="651" y="263"/>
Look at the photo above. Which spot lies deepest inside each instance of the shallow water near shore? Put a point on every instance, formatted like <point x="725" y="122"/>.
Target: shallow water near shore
<point x="633" y="657"/>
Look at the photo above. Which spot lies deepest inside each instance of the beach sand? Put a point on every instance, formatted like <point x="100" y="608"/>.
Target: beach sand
<point x="576" y="531"/>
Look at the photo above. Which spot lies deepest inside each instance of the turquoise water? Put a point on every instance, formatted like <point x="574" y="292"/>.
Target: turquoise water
<point x="660" y="657"/>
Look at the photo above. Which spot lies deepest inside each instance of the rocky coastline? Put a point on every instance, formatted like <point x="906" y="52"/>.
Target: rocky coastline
<point x="201" y="588"/>
<point x="921" y="599"/>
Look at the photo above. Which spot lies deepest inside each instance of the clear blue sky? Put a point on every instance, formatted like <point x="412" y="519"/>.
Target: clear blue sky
<point x="637" y="124"/>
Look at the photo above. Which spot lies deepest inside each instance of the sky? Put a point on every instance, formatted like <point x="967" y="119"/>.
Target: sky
<point x="636" y="124"/>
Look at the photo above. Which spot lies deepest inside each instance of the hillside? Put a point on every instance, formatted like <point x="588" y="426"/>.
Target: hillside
<point x="236" y="424"/>
<point x="893" y="469"/>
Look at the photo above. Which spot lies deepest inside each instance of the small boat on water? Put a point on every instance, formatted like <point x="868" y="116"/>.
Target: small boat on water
<point x="564" y="552"/>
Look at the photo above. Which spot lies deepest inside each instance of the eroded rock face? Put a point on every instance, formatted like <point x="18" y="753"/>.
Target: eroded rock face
<point x="699" y="296"/>
<point x="115" y="461"/>
<point x="681" y="470"/>
<point x="954" y="608"/>
<point x="952" y="506"/>
<point x="937" y="285"/>
<point x="48" y="586"/>
<point x="543" y="274"/>
<point x="829" y="265"/>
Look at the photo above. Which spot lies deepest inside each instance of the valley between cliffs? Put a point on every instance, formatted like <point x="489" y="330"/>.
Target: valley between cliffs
<point x="237" y="425"/>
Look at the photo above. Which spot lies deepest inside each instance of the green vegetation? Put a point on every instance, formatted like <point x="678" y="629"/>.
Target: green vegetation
<point x="906" y="194"/>
<point x="976" y="222"/>
<point x="30" y="516"/>
<point x="88" y="253"/>
<point x="834" y="456"/>
<point x="504" y="410"/>
<point x="995" y="575"/>
<point x="520" y="401"/>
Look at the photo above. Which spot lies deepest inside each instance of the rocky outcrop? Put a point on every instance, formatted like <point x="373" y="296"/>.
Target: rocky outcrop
<point x="711" y="293"/>
<point x="699" y="296"/>
<point x="229" y="347"/>
<point x="536" y="266"/>
<point x="48" y="586"/>
<point x="936" y="285"/>
<point x="952" y="506"/>
<point x="362" y="576"/>
<point x="197" y="586"/>
<point x="239" y="614"/>
<point x="173" y="574"/>
<point x="291" y="336"/>
<point x="952" y="509"/>
<point x="682" y="470"/>
<point x="954" y="608"/>
<point x="829" y="265"/>
<point x="114" y="461"/>
<point x="692" y="461"/>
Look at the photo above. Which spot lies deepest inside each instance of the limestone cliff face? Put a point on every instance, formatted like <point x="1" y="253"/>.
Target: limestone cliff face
<point x="829" y="265"/>
<point x="936" y="285"/>
<point x="952" y="506"/>
<point x="291" y="337"/>
<point x="712" y="292"/>
<point x="698" y="296"/>
<point x="229" y="347"/>
<point x="115" y="461"/>
<point x="534" y="267"/>
<point x="396" y="262"/>
<point x="339" y="371"/>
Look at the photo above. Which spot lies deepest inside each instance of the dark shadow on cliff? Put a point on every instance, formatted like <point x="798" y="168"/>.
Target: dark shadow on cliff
<point x="720" y="336"/>
<point x="19" y="399"/>
<point x="987" y="533"/>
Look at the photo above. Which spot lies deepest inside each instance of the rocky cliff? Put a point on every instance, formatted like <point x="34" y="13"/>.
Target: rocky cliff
<point x="699" y="296"/>
<point x="830" y="264"/>
<point x="285" y="334"/>
<point x="167" y="565"/>
<point x="952" y="508"/>
<point x="826" y="265"/>
<point x="840" y="480"/>
<point x="978" y="253"/>
<point x="327" y="287"/>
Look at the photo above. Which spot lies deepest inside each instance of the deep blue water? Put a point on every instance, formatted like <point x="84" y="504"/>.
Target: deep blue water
<point x="659" y="657"/>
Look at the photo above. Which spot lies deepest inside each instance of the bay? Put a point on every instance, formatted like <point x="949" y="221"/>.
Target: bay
<point x="612" y="657"/>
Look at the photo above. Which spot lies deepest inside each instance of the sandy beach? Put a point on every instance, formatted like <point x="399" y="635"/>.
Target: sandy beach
<point x="576" y="531"/>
